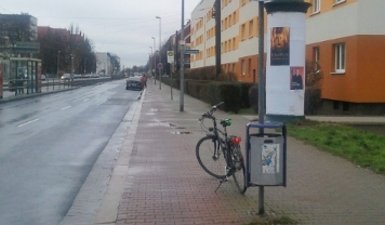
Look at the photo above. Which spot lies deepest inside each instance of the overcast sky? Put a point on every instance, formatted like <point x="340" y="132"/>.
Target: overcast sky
<point x="123" y="27"/>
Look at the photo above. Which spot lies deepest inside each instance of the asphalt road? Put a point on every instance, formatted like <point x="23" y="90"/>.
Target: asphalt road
<point x="48" y="146"/>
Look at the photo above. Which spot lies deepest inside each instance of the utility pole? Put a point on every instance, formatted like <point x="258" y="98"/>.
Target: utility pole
<point x="154" y="58"/>
<point x="160" y="56"/>
<point x="181" y="96"/>
<point x="261" y="90"/>
<point x="217" y="38"/>
<point x="57" y="63"/>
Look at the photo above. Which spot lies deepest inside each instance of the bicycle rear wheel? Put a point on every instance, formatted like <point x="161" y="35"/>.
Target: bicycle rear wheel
<point x="210" y="156"/>
<point x="239" y="171"/>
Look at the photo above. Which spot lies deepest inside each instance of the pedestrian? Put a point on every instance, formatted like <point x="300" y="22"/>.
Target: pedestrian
<point x="144" y="80"/>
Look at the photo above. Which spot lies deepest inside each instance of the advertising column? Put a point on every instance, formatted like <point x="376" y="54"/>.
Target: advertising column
<point x="285" y="63"/>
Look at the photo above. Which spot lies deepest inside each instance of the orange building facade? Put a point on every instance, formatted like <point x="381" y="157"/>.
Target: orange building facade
<point x="345" y="45"/>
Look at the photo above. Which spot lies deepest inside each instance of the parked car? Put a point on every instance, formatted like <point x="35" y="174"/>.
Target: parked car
<point x="66" y="76"/>
<point x="134" y="83"/>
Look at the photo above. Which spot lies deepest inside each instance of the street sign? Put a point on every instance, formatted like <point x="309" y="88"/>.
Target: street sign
<point x="170" y="57"/>
<point x="191" y="51"/>
<point x="160" y="66"/>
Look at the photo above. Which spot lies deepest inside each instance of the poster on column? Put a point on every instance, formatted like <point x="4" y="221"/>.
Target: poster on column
<point x="280" y="46"/>
<point x="296" y="77"/>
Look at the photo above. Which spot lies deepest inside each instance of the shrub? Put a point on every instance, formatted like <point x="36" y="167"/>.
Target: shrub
<point x="253" y="97"/>
<point x="245" y="88"/>
<point x="312" y="100"/>
<point x="229" y="93"/>
<point x="196" y="88"/>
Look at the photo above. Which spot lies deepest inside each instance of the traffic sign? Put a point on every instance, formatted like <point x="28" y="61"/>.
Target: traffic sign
<point x="191" y="51"/>
<point x="170" y="57"/>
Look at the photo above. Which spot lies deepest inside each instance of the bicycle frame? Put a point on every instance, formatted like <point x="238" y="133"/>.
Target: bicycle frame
<point x="223" y="140"/>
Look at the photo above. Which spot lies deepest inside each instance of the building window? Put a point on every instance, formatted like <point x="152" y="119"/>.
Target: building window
<point x="339" y="57"/>
<point x="316" y="55"/>
<point x="243" y="67"/>
<point x="249" y="67"/>
<point x="316" y="6"/>
<point x="251" y="28"/>
<point x="336" y="2"/>
<point x="235" y="18"/>
<point x="243" y="31"/>
<point x="234" y="44"/>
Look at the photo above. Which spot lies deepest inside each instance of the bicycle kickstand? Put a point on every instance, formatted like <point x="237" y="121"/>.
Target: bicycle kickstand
<point x="220" y="183"/>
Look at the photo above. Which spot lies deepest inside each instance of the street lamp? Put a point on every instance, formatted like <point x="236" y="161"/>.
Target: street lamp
<point x="261" y="90"/>
<point x="57" y="63"/>
<point x="160" y="60"/>
<point x="151" y="58"/>
<point x="217" y="6"/>
<point x="154" y="70"/>
<point x="181" y="96"/>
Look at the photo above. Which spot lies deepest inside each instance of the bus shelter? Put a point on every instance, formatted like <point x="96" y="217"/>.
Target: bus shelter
<point x="22" y="74"/>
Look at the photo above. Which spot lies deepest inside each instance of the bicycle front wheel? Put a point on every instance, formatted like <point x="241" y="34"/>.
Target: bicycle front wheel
<point x="239" y="169"/>
<point x="210" y="156"/>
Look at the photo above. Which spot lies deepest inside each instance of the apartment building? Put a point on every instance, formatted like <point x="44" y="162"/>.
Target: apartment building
<point x="18" y="35"/>
<point x="239" y="37"/>
<point x="18" y="52"/>
<point x="202" y="35"/>
<point x="345" y="45"/>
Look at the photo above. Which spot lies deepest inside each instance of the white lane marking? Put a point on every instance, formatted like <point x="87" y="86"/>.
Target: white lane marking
<point x="67" y="107"/>
<point x="28" y="122"/>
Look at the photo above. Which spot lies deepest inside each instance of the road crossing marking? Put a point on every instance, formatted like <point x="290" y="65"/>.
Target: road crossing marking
<point x="28" y="122"/>
<point x="67" y="107"/>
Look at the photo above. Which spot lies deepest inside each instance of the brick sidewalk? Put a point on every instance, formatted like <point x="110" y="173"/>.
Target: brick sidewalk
<point x="165" y="184"/>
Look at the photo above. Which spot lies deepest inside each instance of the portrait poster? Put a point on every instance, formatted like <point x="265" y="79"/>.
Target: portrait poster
<point x="280" y="46"/>
<point x="296" y="78"/>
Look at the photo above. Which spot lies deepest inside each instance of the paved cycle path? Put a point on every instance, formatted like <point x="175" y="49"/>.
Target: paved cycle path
<point x="165" y="184"/>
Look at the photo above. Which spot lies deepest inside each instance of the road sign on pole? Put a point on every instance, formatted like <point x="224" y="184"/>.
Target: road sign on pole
<point x="170" y="57"/>
<point x="191" y="51"/>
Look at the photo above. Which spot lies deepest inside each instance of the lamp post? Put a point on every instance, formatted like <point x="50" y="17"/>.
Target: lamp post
<point x="261" y="90"/>
<point x="57" y="63"/>
<point x="181" y="97"/>
<point x="160" y="45"/>
<point x="151" y="57"/>
<point x="154" y="71"/>
<point x="217" y="7"/>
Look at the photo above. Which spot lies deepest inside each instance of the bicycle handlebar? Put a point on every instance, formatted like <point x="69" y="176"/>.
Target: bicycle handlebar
<point x="219" y="104"/>
<point x="209" y="114"/>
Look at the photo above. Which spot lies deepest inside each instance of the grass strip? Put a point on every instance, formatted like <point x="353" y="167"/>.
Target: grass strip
<point x="365" y="149"/>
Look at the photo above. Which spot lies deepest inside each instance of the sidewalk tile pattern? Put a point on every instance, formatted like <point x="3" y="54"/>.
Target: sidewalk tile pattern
<point x="166" y="185"/>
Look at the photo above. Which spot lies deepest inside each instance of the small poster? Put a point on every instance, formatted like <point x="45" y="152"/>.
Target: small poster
<point x="280" y="46"/>
<point x="296" y="78"/>
<point x="270" y="159"/>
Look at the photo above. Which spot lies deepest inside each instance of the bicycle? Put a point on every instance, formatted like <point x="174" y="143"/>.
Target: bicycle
<point x="217" y="142"/>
